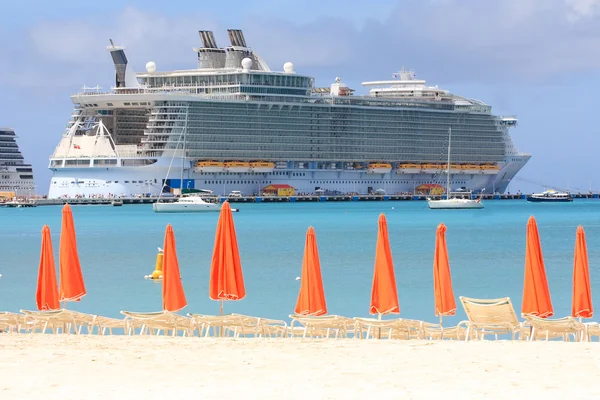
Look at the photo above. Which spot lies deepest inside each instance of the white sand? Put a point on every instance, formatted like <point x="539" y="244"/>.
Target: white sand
<point x="89" y="367"/>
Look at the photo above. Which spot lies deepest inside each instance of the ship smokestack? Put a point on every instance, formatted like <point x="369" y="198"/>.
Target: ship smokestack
<point x="238" y="51"/>
<point x="123" y="77"/>
<point x="210" y="56"/>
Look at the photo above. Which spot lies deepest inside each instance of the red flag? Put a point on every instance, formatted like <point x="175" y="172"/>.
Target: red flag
<point x="75" y="146"/>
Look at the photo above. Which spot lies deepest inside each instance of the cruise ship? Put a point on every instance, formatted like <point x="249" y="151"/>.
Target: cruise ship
<point x="232" y="123"/>
<point x="16" y="177"/>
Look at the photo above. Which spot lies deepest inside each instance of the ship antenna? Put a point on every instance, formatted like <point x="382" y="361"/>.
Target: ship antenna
<point x="111" y="42"/>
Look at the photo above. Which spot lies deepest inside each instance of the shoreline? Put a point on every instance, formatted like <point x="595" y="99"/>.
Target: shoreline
<point x="76" y="367"/>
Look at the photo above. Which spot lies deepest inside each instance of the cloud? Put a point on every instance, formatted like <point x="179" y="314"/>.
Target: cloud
<point x="451" y="40"/>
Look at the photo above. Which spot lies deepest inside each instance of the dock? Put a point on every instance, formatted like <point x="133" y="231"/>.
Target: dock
<point x="270" y="199"/>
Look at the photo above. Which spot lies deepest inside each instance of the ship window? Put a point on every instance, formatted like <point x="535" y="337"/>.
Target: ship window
<point x="135" y="104"/>
<point x="116" y="181"/>
<point x="109" y="104"/>
<point x="127" y="104"/>
<point x="126" y="181"/>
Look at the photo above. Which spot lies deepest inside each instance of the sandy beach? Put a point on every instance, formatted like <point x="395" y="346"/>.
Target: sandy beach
<point x="90" y="367"/>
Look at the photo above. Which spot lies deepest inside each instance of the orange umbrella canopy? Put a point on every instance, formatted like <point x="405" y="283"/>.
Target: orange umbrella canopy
<point x="536" y="295"/>
<point x="226" y="278"/>
<point x="311" y="299"/>
<point x="442" y="280"/>
<point x="384" y="295"/>
<point x="172" y="290"/>
<point x="582" y="292"/>
<point x="46" y="296"/>
<point x="72" y="287"/>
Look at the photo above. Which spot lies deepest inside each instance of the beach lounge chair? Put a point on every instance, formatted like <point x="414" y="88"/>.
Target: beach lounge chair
<point x="155" y="322"/>
<point x="490" y="317"/>
<point x="106" y="325"/>
<point x="561" y="328"/>
<point x="592" y="329"/>
<point x="325" y="326"/>
<point x="13" y="323"/>
<point x="266" y="327"/>
<point x="392" y="329"/>
<point x="438" y="332"/>
<point x="55" y="320"/>
<point x="224" y="325"/>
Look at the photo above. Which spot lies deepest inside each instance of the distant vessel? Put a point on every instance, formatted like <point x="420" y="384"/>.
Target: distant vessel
<point x="233" y="123"/>
<point x="16" y="177"/>
<point x="550" y="196"/>
<point x="186" y="204"/>
<point x="454" y="200"/>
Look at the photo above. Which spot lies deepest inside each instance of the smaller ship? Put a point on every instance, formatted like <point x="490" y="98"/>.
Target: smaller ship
<point x="550" y="196"/>
<point x="186" y="204"/>
<point x="454" y="200"/>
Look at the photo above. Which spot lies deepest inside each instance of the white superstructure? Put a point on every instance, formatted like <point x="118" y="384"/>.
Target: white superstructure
<point x="15" y="175"/>
<point x="232" y="123"/>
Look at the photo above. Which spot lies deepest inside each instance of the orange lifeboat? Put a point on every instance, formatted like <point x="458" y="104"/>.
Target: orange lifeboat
<point x="409" y="169"/>
<point x="379" y="168"/>
<point x="209" y="166"/>
<point x="237" y="166"/>
<point x="262" y="166"/>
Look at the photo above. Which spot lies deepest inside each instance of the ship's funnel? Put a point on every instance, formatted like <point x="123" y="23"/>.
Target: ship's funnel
<point x="208" y="39"/>
<point x="238" y="51"/>
<point x="210" y="56"/>
<point x="123" y="77"/>
<point x="236" y="37"/>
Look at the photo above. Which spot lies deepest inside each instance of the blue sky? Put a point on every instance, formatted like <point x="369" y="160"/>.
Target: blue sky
<point x="537" y="59"/>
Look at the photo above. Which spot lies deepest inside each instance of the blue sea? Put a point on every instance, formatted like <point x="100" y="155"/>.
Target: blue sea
<point x="118" y="246"/>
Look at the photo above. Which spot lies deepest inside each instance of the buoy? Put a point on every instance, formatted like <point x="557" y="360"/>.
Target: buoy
<point x="298" y="278"/>
<point x="158" y="268"/>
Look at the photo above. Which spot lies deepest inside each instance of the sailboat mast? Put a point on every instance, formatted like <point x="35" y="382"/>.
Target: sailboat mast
<point x="448" y="178"/>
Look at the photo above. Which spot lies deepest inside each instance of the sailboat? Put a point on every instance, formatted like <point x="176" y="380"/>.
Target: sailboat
<point x="454" y="200"/>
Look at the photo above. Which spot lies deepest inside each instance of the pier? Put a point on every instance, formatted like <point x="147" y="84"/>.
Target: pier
<point x="269" y="199"/>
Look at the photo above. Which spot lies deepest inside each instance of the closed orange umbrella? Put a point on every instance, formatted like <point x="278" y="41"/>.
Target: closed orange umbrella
<point x="72" y="287"/>
<point x="582" y="292"/>
<point x="46" y="295"/>
<point x="172" y="290"/>
<point x="536" y="295"/>
<point x="226" y="278"/>
<point x="442" y="280"/>
<point x="384" y="295"/>
<point x="311" y="299"/>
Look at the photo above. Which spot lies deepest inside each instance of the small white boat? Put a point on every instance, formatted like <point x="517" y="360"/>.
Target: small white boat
<point x="186" y="204"/>
<point x="454" y="203"/>
<point x="456" y="200"/>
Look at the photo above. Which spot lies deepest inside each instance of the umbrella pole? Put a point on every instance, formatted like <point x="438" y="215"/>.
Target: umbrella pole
<point x="221" y="314"/>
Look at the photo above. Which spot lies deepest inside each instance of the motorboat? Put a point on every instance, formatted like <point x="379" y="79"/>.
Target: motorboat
<point x="187" y="204"/>
<point x="550" y="196"/>
<point x="454" y="200"/>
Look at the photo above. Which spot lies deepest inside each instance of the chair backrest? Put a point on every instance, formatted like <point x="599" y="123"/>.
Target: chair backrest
<point x="489" y="311"/>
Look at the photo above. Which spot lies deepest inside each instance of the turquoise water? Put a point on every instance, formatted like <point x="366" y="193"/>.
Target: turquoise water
<point x="117" y="247"/>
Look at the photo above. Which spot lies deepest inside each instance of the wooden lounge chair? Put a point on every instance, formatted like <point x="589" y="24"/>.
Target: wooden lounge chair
<point x="324" y="326"/>
<point x="399" y="328"/>
<point x="490" y="317"/>
<point x="155" y="322"/>
<point x="106" y="325"/>
<point x="547" y="328"/>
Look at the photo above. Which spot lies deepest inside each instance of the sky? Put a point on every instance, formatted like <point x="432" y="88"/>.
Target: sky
<point x="536" y="59"/>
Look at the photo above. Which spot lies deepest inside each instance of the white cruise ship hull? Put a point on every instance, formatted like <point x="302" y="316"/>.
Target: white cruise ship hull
<point x="148" y="180"/>
<point x="454" y="204"/>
